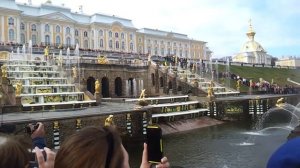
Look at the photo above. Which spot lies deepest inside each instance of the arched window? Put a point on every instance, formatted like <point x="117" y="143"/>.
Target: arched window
<point x="155" y="51"/>
<point x="11" y="35"/>
<point x="47" y="28"/>
<point x="68" y="30"/>
<point x="123" y="45"/>
<point x="33" y="38"/>
<point x="85" y="34"/>
<point x="33" y="27"/>
<point x="131" y="46"/>
<point x="57" y="40"/>
<point x="57" y="29"/>
<point x="131" y="36"/>
<point x="11" y="21"/>
<point x="116" y="35"/>
<point x="110" y="34"/>
<point x="86" y="44"/>
<point x="47" y="40"/>
<point x="100" y="32"/>
<point x="122" y="35"/>
<point x="110" y="44"/>
<point x="68" y="41"/>
<point x="76" y="32"/>
<point x="22" y="38"/>
<point x="162" y="51"/>
<point x="22" y="27"/>
<point x="101" y="43"/>
<point x="117" y="44"/>
<point x="77" y="42"/>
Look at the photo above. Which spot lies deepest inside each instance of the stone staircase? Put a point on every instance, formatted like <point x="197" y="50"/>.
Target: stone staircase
<point x="173" y="108"/>
<point x="44" y="86"/>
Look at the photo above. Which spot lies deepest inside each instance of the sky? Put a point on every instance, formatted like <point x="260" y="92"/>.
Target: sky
<point x="221" y="23"/>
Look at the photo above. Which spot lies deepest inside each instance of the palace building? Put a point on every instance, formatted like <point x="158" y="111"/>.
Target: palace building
<point x="49" y="24"/>
<point x="252" y="52"/>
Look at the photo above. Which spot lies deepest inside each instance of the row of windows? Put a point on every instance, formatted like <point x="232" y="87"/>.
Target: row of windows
<point x="162" y="42"/>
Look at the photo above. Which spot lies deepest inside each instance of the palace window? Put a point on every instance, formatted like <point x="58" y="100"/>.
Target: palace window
<point x="131" y="36"/>
<point x="110" y="44"/>
<point x="33" y="38"/>
<point x="161" y="42"/>
<point x="131" y="46"/>
<point x="11" y="21"/>
<point x="33" y="27"/>
<point x="47" y="28"/>
<point x="155" y="51"/>
<point x="186" y="53"/>
<point x="169" y="51"/>
<point x="57" y="40"/>
<point x="76" y="32"/>
<point x="174" y="51"/>
<point x="57" y="29"/>
<point x="101" y="43"/>
<point x="122" y="35"/>
<point x="109" y="34"/>
<point x="162" y="52"/>
<point x="117" y="44"/>
<point x="47" y="40"/>
<point x="85" y="34"/>
<point x="86" y="44"/>
<point x="22" y="27"/>
<point x="116" y="35"/>
<point x="76" y="41"/>
<point x="174" y="43"/>
<point x="68" y="30"/>
<point x="155" y="41"/>
<point x="68" y="41"/>
<point x="180" y="53"/>
<point x="140" y="49"/>
<point x="11" y="35"/>
<point x="123" y="45"/>
<point x="100" y="32"/>
<point x="149" y="50"/>
<point x="22" y="38"/>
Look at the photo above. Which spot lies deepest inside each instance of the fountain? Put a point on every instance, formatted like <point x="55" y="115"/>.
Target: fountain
<point x="68" y="63"/>
<point x="43" y="85"/>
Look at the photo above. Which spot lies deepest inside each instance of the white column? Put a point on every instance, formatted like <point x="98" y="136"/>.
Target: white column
<point x="2" y="28"/>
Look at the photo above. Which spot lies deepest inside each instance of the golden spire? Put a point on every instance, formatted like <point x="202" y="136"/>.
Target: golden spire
<point x="251" y="32"/>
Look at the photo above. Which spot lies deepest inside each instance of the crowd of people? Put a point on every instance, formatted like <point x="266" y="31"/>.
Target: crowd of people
<point x="88" y="148"/>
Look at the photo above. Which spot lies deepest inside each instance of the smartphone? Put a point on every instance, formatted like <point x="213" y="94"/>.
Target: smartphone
<point x="154" y="144"/>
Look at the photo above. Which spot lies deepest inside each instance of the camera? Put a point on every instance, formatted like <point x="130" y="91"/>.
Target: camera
<point x="30" y="128"/>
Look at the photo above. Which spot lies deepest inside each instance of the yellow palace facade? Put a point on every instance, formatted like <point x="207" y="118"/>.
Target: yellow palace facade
<point x="49" y="24"/>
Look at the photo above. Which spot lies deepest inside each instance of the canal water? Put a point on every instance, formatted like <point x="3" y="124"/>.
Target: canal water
<point x="229" y="145"/>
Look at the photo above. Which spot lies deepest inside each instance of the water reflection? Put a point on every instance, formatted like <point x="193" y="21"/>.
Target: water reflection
<point x="222" y="146"/>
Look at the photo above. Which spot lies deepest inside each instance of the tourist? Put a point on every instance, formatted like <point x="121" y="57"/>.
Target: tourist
<point x="286" y="156"/>
<point x="97" y="147"/>
<point x="14" y="150"/>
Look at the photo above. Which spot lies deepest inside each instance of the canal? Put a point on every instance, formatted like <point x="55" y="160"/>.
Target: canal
<point x="229" y="145"/>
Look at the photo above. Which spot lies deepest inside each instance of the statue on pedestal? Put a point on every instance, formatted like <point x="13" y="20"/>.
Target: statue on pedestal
<point x="210" y="90"/>
<point x="97" y="86"/>
<point x="280" y="102"/>
<point x="238" y="84"/>
<point x="19" y="88"/>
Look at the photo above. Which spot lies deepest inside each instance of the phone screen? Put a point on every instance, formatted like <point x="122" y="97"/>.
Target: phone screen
<point x="154" y="144"/>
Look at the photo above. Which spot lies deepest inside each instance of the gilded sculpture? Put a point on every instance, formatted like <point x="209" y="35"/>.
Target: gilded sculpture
<point x="4" y="71"/>
<point x="109" y="121"/>
<point x="97" y="86"/>
<point x="19" y="87"/>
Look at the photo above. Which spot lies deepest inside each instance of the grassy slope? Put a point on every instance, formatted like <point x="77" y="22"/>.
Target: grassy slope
<point x="278" y="75"/>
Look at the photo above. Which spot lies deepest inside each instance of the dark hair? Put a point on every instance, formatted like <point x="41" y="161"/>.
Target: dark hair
<point x="91" y="147"/>
<point x="13" y="152"/>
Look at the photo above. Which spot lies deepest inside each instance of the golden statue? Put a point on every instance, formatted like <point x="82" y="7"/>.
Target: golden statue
<point x="19" y="87"/>
<point x="55" y="125"/>
<point x="238" y="84"/>
<point x="280" y="102"/>
<point x="210" y="92"/>
<point x="46" y="53"/>
<point x="4" y="71"/>
<point x="251" y="82"/>
<point x="109" y="121"/>
<point x="74" y="72"/>
<point x="142" y="95"/>
<point x="97" y="86"/>
<point x="78" y="123"/>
